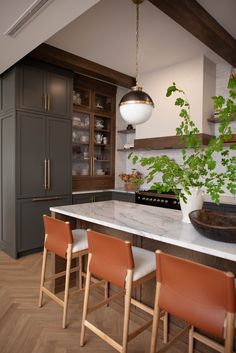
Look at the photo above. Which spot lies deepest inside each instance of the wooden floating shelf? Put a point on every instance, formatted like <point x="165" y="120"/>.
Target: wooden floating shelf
<point x="216" y="120"/>
<point x="130" y="131"/>
<point x="125" y="149"/>
<point x="167" y="142"/>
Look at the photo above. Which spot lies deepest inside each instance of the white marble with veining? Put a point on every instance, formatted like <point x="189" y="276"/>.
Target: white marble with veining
<point x="151" y="222"/>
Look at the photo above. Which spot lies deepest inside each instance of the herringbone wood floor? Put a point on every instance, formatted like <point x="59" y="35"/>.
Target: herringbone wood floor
<point x="25" y="328"/>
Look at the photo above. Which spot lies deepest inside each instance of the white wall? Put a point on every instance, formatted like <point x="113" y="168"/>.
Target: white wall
<point x="222" y="76"/>
<point x="196" y="78"/>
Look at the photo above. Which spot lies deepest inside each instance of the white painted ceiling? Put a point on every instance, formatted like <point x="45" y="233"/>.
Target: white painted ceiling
<point x="54" y="17"/>
<point x="105" y="32"/>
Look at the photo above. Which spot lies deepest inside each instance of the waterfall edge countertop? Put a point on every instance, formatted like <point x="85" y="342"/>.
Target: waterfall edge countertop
<point x="156" y="223"/>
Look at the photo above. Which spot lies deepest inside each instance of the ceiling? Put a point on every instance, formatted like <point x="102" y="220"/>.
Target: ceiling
<point x="104" y="32"/>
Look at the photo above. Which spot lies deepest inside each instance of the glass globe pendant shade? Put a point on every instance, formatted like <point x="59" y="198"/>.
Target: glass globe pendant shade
<point x="136" y="106"/>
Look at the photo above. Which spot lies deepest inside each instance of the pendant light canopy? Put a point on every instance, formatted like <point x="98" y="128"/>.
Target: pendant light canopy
<point x="136" y="106"/>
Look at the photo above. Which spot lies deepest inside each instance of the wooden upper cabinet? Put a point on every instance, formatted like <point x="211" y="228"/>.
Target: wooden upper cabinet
<point x="93" y="134"/>
<point x="44" y="91"/>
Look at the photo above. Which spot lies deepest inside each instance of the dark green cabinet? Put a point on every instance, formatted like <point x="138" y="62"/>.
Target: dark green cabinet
<point x="44" y="91"/>
<point x="30" y="232"/>
<point x="43" y="150"/>
<point x="35" y="152"/>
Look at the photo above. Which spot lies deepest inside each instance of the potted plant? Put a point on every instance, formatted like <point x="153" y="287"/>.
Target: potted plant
<point x="198" y="169"/>
<point x="132" y="181"/>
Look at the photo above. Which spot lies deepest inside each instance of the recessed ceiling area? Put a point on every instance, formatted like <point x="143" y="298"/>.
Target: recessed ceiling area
<point x="106" y="34"/>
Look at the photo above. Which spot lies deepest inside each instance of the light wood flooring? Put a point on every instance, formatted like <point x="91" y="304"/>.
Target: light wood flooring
<point x="25" y="328"/>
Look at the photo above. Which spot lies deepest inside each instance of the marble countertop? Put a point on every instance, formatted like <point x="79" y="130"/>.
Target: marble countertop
<point x="93" y="191"/>
<point x="156" y="223"/>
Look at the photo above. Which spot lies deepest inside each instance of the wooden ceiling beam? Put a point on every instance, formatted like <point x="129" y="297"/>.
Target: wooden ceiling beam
<point x="196" y="20"/>
<point x="55" y="56"/>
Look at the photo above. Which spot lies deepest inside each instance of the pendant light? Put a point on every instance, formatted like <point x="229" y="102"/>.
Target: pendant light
<point x="136" y="106"/>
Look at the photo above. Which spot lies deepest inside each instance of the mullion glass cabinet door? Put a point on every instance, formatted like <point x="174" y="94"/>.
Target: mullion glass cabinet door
<point x="102" y="145"/>
<point x="81" y="147"/>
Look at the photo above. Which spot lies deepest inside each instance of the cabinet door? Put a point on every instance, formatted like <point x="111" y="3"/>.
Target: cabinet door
<point x="102" y="196"/>
<point x="59" y="94"/>
<point x="59" y="156"/>
<point x="31" y="153"/>
<point x="83" y="198"/>
<point x="32" y="90"/>
<point x="30" y="232"/>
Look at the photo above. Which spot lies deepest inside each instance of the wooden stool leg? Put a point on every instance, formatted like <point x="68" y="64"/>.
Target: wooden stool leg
<point x="80" y="272"/>
<point x="42" y="276"/>
<point x="156" y="317"/>
<point x="128" y="289"/>
<point x="85" y="308"/>
<point x="229" y="336"/>
<point x="67" y="282"/>
<point x="165" y="328"/>
<point x="191" y="340"/>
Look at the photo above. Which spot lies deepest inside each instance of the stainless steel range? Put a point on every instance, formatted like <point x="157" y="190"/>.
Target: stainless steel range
<point x="152" y="198"/>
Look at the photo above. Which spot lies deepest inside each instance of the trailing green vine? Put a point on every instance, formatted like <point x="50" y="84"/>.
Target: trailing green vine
<point x="198" y="167"/>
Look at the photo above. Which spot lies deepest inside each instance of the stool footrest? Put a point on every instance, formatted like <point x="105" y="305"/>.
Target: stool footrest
<point x="53" y="296"/>
<point x="103" y="336"/>
<point x="139" y="330"/>
<point x="174" y="339"/>
<point x="104" y="302"/>
<point x="218" y="347"/>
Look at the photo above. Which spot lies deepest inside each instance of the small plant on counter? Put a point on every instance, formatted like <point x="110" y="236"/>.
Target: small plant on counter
<point x="133" y="180"/>
<point x="198" y="167"/>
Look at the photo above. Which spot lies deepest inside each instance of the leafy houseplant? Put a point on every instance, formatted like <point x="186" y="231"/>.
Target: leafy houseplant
<point x="198" y="166"/>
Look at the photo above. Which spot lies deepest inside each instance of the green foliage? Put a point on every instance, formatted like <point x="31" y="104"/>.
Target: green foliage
<point x="198" y="166"/>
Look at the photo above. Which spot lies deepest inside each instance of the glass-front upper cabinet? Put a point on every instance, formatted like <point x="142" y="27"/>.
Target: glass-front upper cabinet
<point x="81" y="150"/>
<point x="93" y="134"/>
<point x="102" y="145"/>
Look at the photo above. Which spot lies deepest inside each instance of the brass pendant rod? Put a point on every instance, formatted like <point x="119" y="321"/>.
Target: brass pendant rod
<point x="137" y="44"/>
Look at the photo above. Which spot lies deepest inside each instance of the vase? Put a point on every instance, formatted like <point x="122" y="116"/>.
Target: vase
<point x="193" y="202"/>
<point x="130" y="187"/>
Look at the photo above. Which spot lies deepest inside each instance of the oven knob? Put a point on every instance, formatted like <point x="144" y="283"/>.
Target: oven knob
<point x="166" y="201"/>
<point x="143" y="198"/>
<point x="158" y="200"/>
<point x="150" y="199"/>
<point x="162" y="201"/>
<point x="154" y="199"/>
<point x="174" y="202"/>
<point x="139" y="197"/>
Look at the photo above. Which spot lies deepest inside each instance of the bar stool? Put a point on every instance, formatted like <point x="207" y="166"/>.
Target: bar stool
<point x="202" y="296"/>
<point x="59" y="239"/>
<point x="127" y="267"/>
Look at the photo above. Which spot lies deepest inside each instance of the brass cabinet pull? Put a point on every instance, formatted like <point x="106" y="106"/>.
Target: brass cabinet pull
<point x="49" y="102"/>
<point x="38" y="199"/>
<point x="49" y="174"/>
<point x="45" y="101"/>
<point x="91" y="166"/>
<point x="45" y="174"/>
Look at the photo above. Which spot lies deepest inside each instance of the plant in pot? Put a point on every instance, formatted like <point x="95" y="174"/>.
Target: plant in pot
<point x="132" y="181"/>
<point x="197" y="172"/>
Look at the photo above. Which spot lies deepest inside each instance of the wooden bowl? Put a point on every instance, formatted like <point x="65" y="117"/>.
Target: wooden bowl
<point x="216" y="225"/>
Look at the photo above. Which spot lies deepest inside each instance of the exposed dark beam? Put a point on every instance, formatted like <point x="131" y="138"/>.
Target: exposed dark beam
<point x="195" y="19"/>
<point x="55" y="56"/>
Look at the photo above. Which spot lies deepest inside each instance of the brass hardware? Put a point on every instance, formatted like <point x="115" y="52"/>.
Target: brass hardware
<point x="49" y="102"/>
<point x="38" y="199"/>
<point x="91" y="166"/>
<point x="49" y="174"/>
<point x="45" y="101"/>
<point x="45" y="174"/>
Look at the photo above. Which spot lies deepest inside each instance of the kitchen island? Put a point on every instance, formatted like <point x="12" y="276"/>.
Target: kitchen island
<point x="155" y="223"/>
